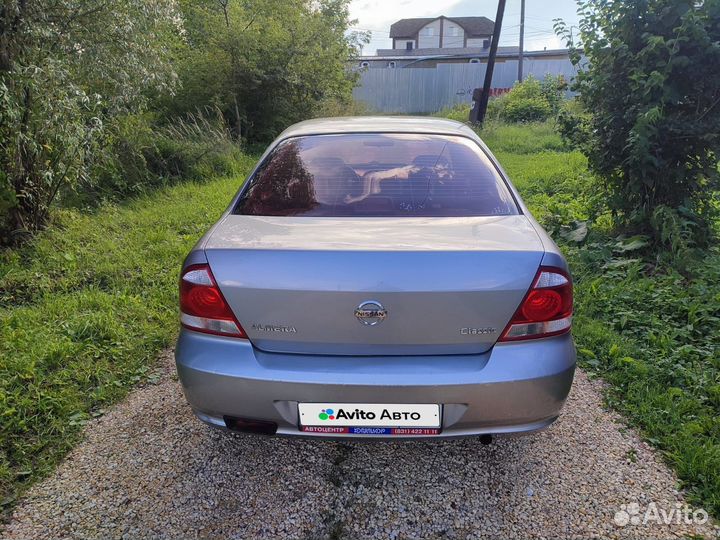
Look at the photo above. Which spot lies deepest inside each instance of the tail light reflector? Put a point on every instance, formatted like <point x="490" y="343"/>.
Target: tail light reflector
<point x="203" y="307"/>
<point x="546" y="309"/>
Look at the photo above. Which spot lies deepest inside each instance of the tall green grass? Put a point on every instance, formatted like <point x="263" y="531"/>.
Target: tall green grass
<point x="84" y="310"/>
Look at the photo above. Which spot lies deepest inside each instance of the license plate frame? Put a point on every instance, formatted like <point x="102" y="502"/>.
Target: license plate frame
<point x="370" y="418"/>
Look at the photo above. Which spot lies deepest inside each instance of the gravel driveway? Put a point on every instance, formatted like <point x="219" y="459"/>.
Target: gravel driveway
<point x="149" y="469"/>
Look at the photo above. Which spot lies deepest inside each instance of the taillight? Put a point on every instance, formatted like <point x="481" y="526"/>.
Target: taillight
<point x="546" y="309"/>
<point x="203" y="307"/>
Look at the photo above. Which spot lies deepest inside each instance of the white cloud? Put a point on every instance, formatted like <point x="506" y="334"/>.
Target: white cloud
<point x="380" y="14"/>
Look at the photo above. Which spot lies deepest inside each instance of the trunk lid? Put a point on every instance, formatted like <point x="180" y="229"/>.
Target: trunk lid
<point x="447" y="285"/>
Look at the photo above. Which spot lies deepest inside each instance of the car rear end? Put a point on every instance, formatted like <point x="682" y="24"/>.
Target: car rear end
<point x="385" y="284"/>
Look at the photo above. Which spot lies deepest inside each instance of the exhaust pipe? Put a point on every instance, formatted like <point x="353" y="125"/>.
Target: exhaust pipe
<point x="486" y="438"/>
<point x="250" y="425"/>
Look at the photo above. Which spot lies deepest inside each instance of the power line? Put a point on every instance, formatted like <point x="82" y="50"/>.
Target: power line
<point x="536" y="34"/>
<point x="370" y="30"/>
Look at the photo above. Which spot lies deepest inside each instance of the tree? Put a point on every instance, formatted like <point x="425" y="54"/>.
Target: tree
<point x="264" y="63"/>
<point x="66" y="68"/>
<point x="89" y="89"/>
<point x="651" y="85"/>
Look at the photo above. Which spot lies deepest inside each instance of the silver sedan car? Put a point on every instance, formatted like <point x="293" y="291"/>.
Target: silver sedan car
<point x="376" y="277"/>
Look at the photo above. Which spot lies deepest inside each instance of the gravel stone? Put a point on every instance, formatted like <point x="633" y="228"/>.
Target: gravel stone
<point x="149" y="469"/>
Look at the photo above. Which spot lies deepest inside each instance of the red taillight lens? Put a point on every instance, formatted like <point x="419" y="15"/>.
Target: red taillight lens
<point x="203" y="307"/>
<point x="542" y="305"/>
<point x="205" y="300"/>
<point x="546" y="310"/>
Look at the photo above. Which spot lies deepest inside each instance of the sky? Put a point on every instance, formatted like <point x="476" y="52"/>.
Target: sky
<point x="378" y="15"/>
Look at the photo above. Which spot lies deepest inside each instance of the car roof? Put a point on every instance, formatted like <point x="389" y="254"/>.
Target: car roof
<point x="386" y="124"/>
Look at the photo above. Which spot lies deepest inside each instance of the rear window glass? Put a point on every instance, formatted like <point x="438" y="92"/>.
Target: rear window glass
<point x="376" y="175"/>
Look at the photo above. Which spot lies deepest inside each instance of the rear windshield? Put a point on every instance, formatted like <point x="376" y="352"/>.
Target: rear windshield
<point x="376" y="175"/>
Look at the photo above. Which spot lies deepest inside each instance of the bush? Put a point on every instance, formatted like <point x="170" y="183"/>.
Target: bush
<point x="652" y="130"/>
<point x="531" y="100"/>
<point x="534" y="109"/>
<point x="334" y="106"/>
<point x="573" y="124"/>
<point x="495" y="108"/>
<point x="553" y="88"/>
<point x="196" y="147"/>
<point x="459" y="112"/>
<point x="141" y="156"/>
<point x="77" y="76"/>
<point x="120" y="169"/>
<point x="67" y="70"/>
<point x="265" y="65"/>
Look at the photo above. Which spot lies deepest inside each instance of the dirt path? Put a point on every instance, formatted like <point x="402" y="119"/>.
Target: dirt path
<point x="148" y="469"/>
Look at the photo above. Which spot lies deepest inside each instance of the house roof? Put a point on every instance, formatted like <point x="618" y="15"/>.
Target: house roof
<point x="473" y="26"/>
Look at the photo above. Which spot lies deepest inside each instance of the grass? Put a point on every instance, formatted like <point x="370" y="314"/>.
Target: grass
<point x="651" y="330"/>
<point x="655" y="337"/>
<point x="85" y="309"/>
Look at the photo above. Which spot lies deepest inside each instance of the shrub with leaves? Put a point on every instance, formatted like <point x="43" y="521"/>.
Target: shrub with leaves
<point x="525" y="110"/>
<point x="531" y="100"/>
<point x="651" y="85"/>
<point x="67" y="67"/>
<point x="265" y="63"/>
<point x="138" y="155"/>
<point x="553" y="88"/>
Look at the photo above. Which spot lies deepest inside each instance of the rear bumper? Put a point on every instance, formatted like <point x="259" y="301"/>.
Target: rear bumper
<point x="515" y="387"/>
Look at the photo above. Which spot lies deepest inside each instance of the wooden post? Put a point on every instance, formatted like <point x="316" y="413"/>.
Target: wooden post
<point x="477" y="114"/>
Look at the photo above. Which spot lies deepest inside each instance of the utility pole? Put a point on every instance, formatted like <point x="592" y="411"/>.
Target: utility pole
<point x="477" y="114"/>
<point x="522" y="40"/>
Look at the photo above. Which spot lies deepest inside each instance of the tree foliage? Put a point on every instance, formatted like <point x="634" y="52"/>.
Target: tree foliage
<point x="650" y="83"/>
<point x="66" y="68"/>
<point x="532" y="100"/>
<point x="105" y="97"/>
<point x="266" y="63"/>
